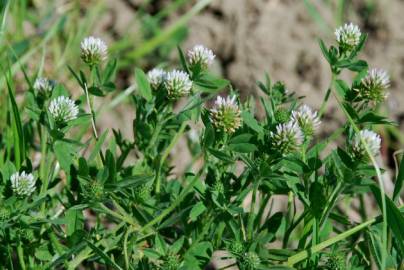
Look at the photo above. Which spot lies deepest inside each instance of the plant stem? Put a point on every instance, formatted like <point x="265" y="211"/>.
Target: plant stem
<point x="251" y="215"/>
<point x="20" y="254"/>
<point x="166" y="153"/>
<point x="90" y="106"/>
<point x="306" y="253"/>
<point x="379" y="179"/>
<point x="127" y="219"/>
<point x="173" y="205"/>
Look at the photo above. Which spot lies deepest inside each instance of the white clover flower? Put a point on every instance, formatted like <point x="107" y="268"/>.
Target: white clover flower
<point x="348" y="36"/>
<point x="156" y="77"/>
<point x="93" y="51"/>
<point x="178" y="84"/>
<point x="63" y="109"/>
<point x="374" y="85"/>
<point x="372" y="140"/>
<point x="226" y="114"/>
<point x="44" y="86"/>
<point x="23" y="184"/>
<point x="307" y="119"/>
<point x="287" y="137"/>
<point x="200" y="55"/>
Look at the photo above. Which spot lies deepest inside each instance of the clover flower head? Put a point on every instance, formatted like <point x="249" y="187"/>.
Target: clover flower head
<point x="373" y="87"/>
<point x="156" y="77"/>
<point x="200" y="55"/>
<point x="348" y="36"/>
<point x="178" y="84"/>
<point x="44" y="86"/>
<point x="23" y="184"/>
<point x="307" y="119"/>
<point x="93" y="51"/>
<point x="251" y="260"/>
<point x="63" y="109"/>
<point x="372" y="140"/>
<point x="287" y="137"/>
<point x="226" y="114"/>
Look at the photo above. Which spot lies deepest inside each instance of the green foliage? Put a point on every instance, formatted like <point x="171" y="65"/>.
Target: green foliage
<point x="116" y="202"/>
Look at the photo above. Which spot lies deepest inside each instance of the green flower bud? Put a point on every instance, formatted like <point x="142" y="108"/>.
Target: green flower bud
<point x="172" y="262"/>
<point x="282" y="115"/>
<point x="142" y="192"/>
<point x="218" y="187"/>
<point x="251" y="260"/>
<point x="4" y="214"/>
<point x="336" y="261"/>
<point x="236" y="247"/>
<point x="94" y="191"/>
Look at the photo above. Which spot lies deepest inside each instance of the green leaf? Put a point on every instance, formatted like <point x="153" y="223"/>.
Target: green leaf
<point x="94" y="90"/>
<point x="399" y="181"/>
<point x="129" y="182"/>
<point x="74" y="221"/>
<point x="209" y="83"/>
<point x="373" y="118"/>
<point x="243" y="147"/>
<point x="76" y="77"/>
<point x="325" y="52"/>
<point x="160" y="245"/>
<point x="143" y="84"/>
<point x="18" y="134"/>
<point x="395" y="219"/>
<point x="102" y="254"/>
<point x="65" y="152"/>
<point x="197" y="210"/>
<point x="183" y="60"/>
<point x="176" y="247"/>
<point x="109" y="71"/>
<point x="242" y="138"/>
<point x="250" y="121"/>
<point x="358" y="66"/>
<point x="220" y="155"/>
<point x="97" y="147"/>
<point x="359" y="47"/>
<point x="341" y="87"/>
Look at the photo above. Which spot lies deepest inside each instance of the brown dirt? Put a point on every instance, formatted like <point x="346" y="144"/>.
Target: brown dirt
<point x="279" y="37"/>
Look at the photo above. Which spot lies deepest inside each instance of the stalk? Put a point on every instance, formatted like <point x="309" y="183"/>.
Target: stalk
<point x="308" y="252"/>
<point x="166" y="153"/>
<point x="20" y="254"/>
<point x="379" y="179"/>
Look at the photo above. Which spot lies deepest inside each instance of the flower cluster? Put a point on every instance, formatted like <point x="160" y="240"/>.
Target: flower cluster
<point x="307" y="120"/>
<point x="348" y="37"/>
<point x="44" y="86"/>
<point x="287" y="137"/>
<point x="23" y="184"/>
<point x="200" y="55"/>
<point x="291" y="133"/>
<point x="93" y="51"/>
<point x="372" y="141"/>
<point x="373" y="87"/>
<point x="226" y="114"/>
<point x="63" y="109"/>
<point x="178" y="84"/>
<point x="156" y="77"/>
